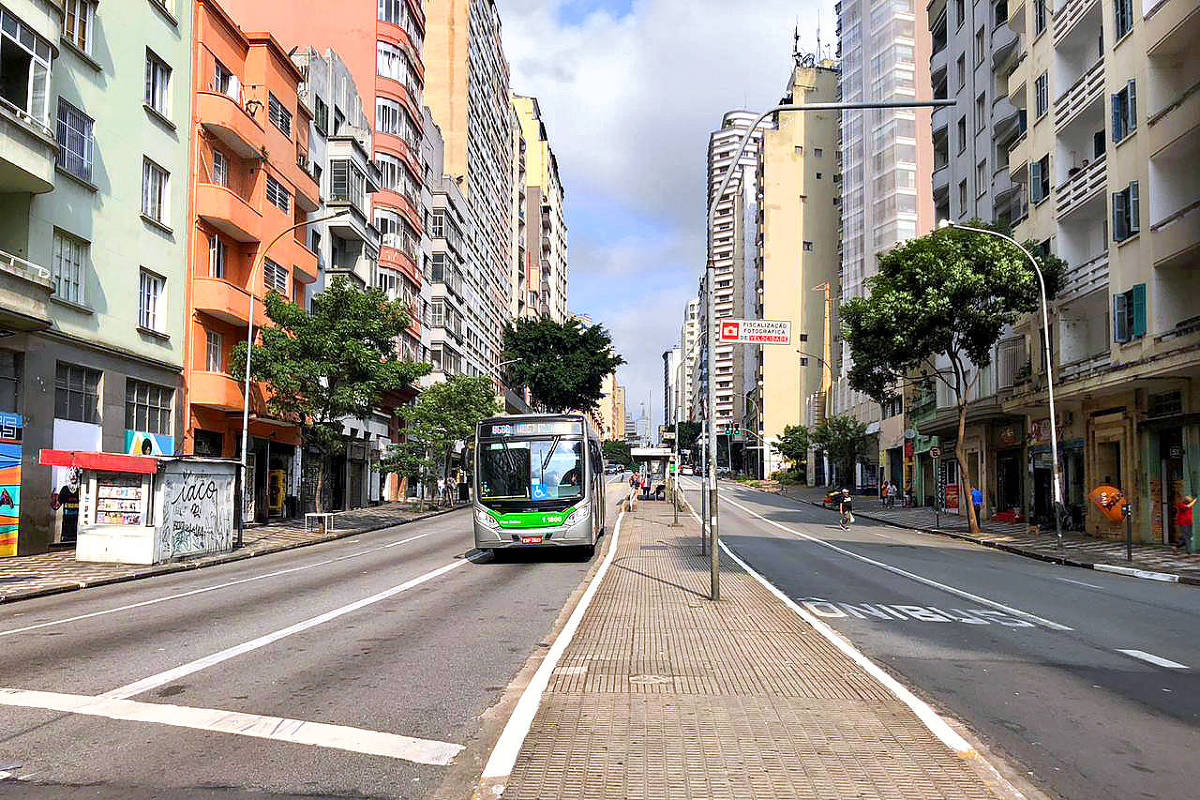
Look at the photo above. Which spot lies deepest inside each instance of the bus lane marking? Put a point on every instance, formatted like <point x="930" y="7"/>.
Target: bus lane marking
<point x="892" y="612"/>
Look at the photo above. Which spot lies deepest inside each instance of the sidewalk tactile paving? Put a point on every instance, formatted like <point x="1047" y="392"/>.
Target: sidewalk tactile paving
<point x="663" y="694"/>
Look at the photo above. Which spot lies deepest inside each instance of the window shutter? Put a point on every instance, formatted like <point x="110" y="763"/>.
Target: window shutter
<point x="1131" y="100"/>
<point x="1118" y="217"/>
<point x="1117" y="134"/>
<point x="1120" y="318"/>
<point x="1135" y="223"/>
<point x="1138" y="311"/>
<point x="1035" y="181"/>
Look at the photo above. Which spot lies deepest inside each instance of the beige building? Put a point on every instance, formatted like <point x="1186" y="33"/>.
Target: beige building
<point x="797" y="252"/>
<point x="611" y="411"/>
<point x="541" y="289"/>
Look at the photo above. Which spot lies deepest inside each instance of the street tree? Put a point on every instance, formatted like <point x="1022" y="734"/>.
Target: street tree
<point x="444" y="415"/>
<point x="563" y="364"/>
<point x="333" y="362"/>
<point x="844" y="440"/>
<point x="935" y="310"/>
<point x="793" y="445"/>
<point x="617" y="452"/>
<point x="689" y="432"/>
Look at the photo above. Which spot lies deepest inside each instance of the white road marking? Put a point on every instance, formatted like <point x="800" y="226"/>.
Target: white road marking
<point x="1164" y="577"/>
<point x="1080" y="583"/>
<point x="163" y="678"/>
<point x="1150" y="658"/>
<point x="909" y="613"/>
<point x="910" y="575"/>
<point x="203" y="589"/>
<point x="504" y="754"/>
<point x="280" y="729"/>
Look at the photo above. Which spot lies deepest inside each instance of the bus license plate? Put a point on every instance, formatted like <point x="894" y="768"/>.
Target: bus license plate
<point x="531" y="540"/>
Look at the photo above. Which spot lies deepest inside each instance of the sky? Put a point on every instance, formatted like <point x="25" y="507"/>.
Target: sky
<point x="630" y="90"/>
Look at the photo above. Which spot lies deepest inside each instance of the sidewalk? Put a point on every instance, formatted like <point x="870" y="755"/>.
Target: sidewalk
<point x="1082" y="551"/>
<point x="663" y="694"/>
<point x="23" y="577"/>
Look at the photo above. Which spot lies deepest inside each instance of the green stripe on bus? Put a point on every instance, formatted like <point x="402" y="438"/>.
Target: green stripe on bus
<point x="537" y="519"/>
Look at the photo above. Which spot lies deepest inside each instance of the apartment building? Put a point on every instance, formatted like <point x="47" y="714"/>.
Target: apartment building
<point x="544" y="293"/>
<point x="689" y="338"/>
<point x="887" y="163"/>
<point x="796" y="253"/>
<point x="731" y="253"/>
<point x="671" y="361"/>
<point x="94" y="111"/>
<point x="467" y="91"/>
<point x="1107" y="165"/>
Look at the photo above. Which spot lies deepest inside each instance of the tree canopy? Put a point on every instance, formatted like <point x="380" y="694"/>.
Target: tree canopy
<point x="332" y="362"/>
<point x="793" y="444"/>
<point x="844" y="440"/>
<point x="617" y="452"/>
<point x="563" y="364"/>
<point x="689" y="432"/>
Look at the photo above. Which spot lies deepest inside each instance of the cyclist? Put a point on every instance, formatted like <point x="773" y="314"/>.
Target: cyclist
<point x="846" y="506"/>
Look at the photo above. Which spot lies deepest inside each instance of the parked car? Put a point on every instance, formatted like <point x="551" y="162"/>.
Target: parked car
<point x="686" y="469"/>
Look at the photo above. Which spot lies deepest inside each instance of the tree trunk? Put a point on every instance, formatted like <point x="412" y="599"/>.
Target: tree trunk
<point x="320" y="498"/>
<point x="960" y="453"/>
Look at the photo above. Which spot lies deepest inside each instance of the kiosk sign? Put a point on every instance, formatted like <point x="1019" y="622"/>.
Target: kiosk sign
<point x="756" y="331"/>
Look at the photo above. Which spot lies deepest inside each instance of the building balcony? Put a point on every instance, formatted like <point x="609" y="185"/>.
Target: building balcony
<point x="1083" y="278"/>
<point x="220" y="299"/>
<point x="1170" y="27"/>
<point x="1087" y="90"/>
<point x="223" y="116"/>
<point x="1175" y="240"/>
<point x="1179" y="117"/>
<point x="1068" y="15"/>
<point x="1080" y="187"/>
<point x="354" y="226"/>
<point x="294" y="253"/>
<point x="215" y="390"/>
<point x="1004" y="44"/>
<point x="228" y="212"/>
<point x="941" y="180"/>
<point x="27" y="152"/>
<point x="1083" y="367"/>
<point x="25" y="290"/>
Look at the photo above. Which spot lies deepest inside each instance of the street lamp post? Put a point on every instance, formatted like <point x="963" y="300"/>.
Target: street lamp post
<point x="1058" y="503"/>
<point x="258" y="260"/>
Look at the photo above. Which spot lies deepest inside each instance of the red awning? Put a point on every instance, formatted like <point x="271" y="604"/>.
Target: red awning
<point x="108" y="462"/>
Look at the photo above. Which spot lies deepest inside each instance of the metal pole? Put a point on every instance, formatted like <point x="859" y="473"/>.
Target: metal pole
<point x="710" y="292"/>
<point x="1128" y="514"/>
<point x="1058" y="501"/>
<point x="703" y="485"/>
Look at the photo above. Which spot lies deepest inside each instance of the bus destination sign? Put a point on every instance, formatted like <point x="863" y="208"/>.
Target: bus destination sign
<point x="504" y="430"/>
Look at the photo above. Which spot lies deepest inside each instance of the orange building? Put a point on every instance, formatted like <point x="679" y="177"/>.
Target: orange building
<point x="250" y="182"/>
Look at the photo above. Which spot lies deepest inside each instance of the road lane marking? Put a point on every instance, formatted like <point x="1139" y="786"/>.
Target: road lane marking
<point x="1080" y="583"/>
<point x="936" y="724"/>
<point x="909" y="613"/>
<point x="204" y="589"/>
<point x="168" y="676"/>
<point x="1150" y="658"/>
<point x="504" y="754"/>
<point x="280" y="729"/>
<point x="974" y="598"/>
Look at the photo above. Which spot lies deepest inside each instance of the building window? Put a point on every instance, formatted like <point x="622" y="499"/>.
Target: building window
<point x="223" y="80"/>
<point x="1000" y="12"/>
<point x="150" y="299"/>
<point x="320" y="116"/>
<point x="11" y="363"/>
<point x="818" y="152"/>
<point x="1039" y="179"/>
<point x="1039" y="16"/>
<point x="1123" y="16"/>
<point x="25" y="68"/>
<point x="437" y="224"/>
<point x="275" y="277"/>
<point x="280" y="117"/>
<point x="981" y="178"/>
<point x="1124" y="112"/>
<point x="1126" y="212"/>
<point x="76" y="393"/>
<point x="154" y="190"/>
<point x="962" y="71"/>
<point x="347" y="183"/>
<point x="158" y="80"/>
<point x="808" y="247"/>
<point x="74" y="136"/>
<point x="980" y="46"/>
<point x="960" y="12"/>
<point x="148" y="407"/>
<point x="212" y="352"/>
<point x="69" y="267"/>
<point x="962" y="134"/>
<point x="962" y="197"/>
<point x="78" y="16"/>
<point x="981" y="116"/>
<point x="393" y="11"/>
<point x="277" y="195"/>
<point x="220" y="168"/>
<point x="217" y="253"/>
<point x="1129" y="314"/>
<point x="1041" y="95"/>
<point x="391" y="62"/>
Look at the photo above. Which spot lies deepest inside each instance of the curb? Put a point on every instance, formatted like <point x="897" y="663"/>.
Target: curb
<point x="1133" y="572"/>
<point x="236" y="555"/>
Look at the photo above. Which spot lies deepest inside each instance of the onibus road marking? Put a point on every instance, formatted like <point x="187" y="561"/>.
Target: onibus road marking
<point x="974" y="598"/>
<point x="880" y="612"/>
<point x="1150" y="658"/>
<point x="163" y="678"/>
<point x="280" y="729"/>
<point x="504" y="754"/>
<point x="204" y="589"/>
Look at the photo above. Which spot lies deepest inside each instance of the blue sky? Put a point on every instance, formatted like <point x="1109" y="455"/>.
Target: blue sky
<point x="630" y="90"/>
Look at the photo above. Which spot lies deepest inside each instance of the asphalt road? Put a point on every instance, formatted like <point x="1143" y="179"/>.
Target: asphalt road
<point x="1027" y="654"/>
<point x="396" y="641"/>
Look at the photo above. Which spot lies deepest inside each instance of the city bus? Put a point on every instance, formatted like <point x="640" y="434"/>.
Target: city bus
<point x="539" y="482"/>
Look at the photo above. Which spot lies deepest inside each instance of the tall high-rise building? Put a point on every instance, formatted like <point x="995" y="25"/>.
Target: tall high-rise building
<point x="731" y="240"/>
<point x="467" y="91"/>
<point x="689" y="339"/>
<point x="672" y="359"/>
<point x="544" y="292"/>
<point x="887" y="163"/>
<point x="796" y="258"/>
<point x="95" y="113"/>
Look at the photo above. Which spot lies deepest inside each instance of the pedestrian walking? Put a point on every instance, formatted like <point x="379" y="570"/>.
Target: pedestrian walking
<point x="977" y="501"/>
<point x="1183" y="521"/>
<point x="883" y="493"/>
<point x="894" y="492"/>
<point x="846" y="506"/>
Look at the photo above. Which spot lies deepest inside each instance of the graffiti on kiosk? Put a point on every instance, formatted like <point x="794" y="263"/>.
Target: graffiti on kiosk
<point x="197" y="515"/>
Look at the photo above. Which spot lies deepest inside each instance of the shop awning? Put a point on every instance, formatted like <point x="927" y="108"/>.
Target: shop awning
<point x="107" y="462"/>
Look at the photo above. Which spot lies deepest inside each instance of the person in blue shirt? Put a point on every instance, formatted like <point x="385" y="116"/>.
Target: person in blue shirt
<point x="977" y="501"/>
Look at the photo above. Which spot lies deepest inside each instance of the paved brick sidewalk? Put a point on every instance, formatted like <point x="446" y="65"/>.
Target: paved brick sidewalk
<point x="1084" y="551"/>
<point x="58" y="571"/>
<point x="663" y="694"/>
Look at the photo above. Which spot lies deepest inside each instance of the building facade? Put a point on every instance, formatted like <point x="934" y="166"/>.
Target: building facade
<point x="544" y="292"/>
<point x="689" y="339"/>
<point x="94" y="114"/>
<point x="672" y="359"/>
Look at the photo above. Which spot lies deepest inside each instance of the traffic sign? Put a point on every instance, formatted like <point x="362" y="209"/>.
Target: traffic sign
<point x="756" y="331"/>
<point x="935" y="452"/>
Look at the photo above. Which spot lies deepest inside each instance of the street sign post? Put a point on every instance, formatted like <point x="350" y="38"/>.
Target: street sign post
<point x="756" y="331"/>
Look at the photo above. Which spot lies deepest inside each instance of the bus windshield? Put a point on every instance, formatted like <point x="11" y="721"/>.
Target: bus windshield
<point x="540" y="469"/>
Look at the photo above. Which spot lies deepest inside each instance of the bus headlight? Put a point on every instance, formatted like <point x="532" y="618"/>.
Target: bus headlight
<point x="576" y="515"/>
<point x="486" y="519"/>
